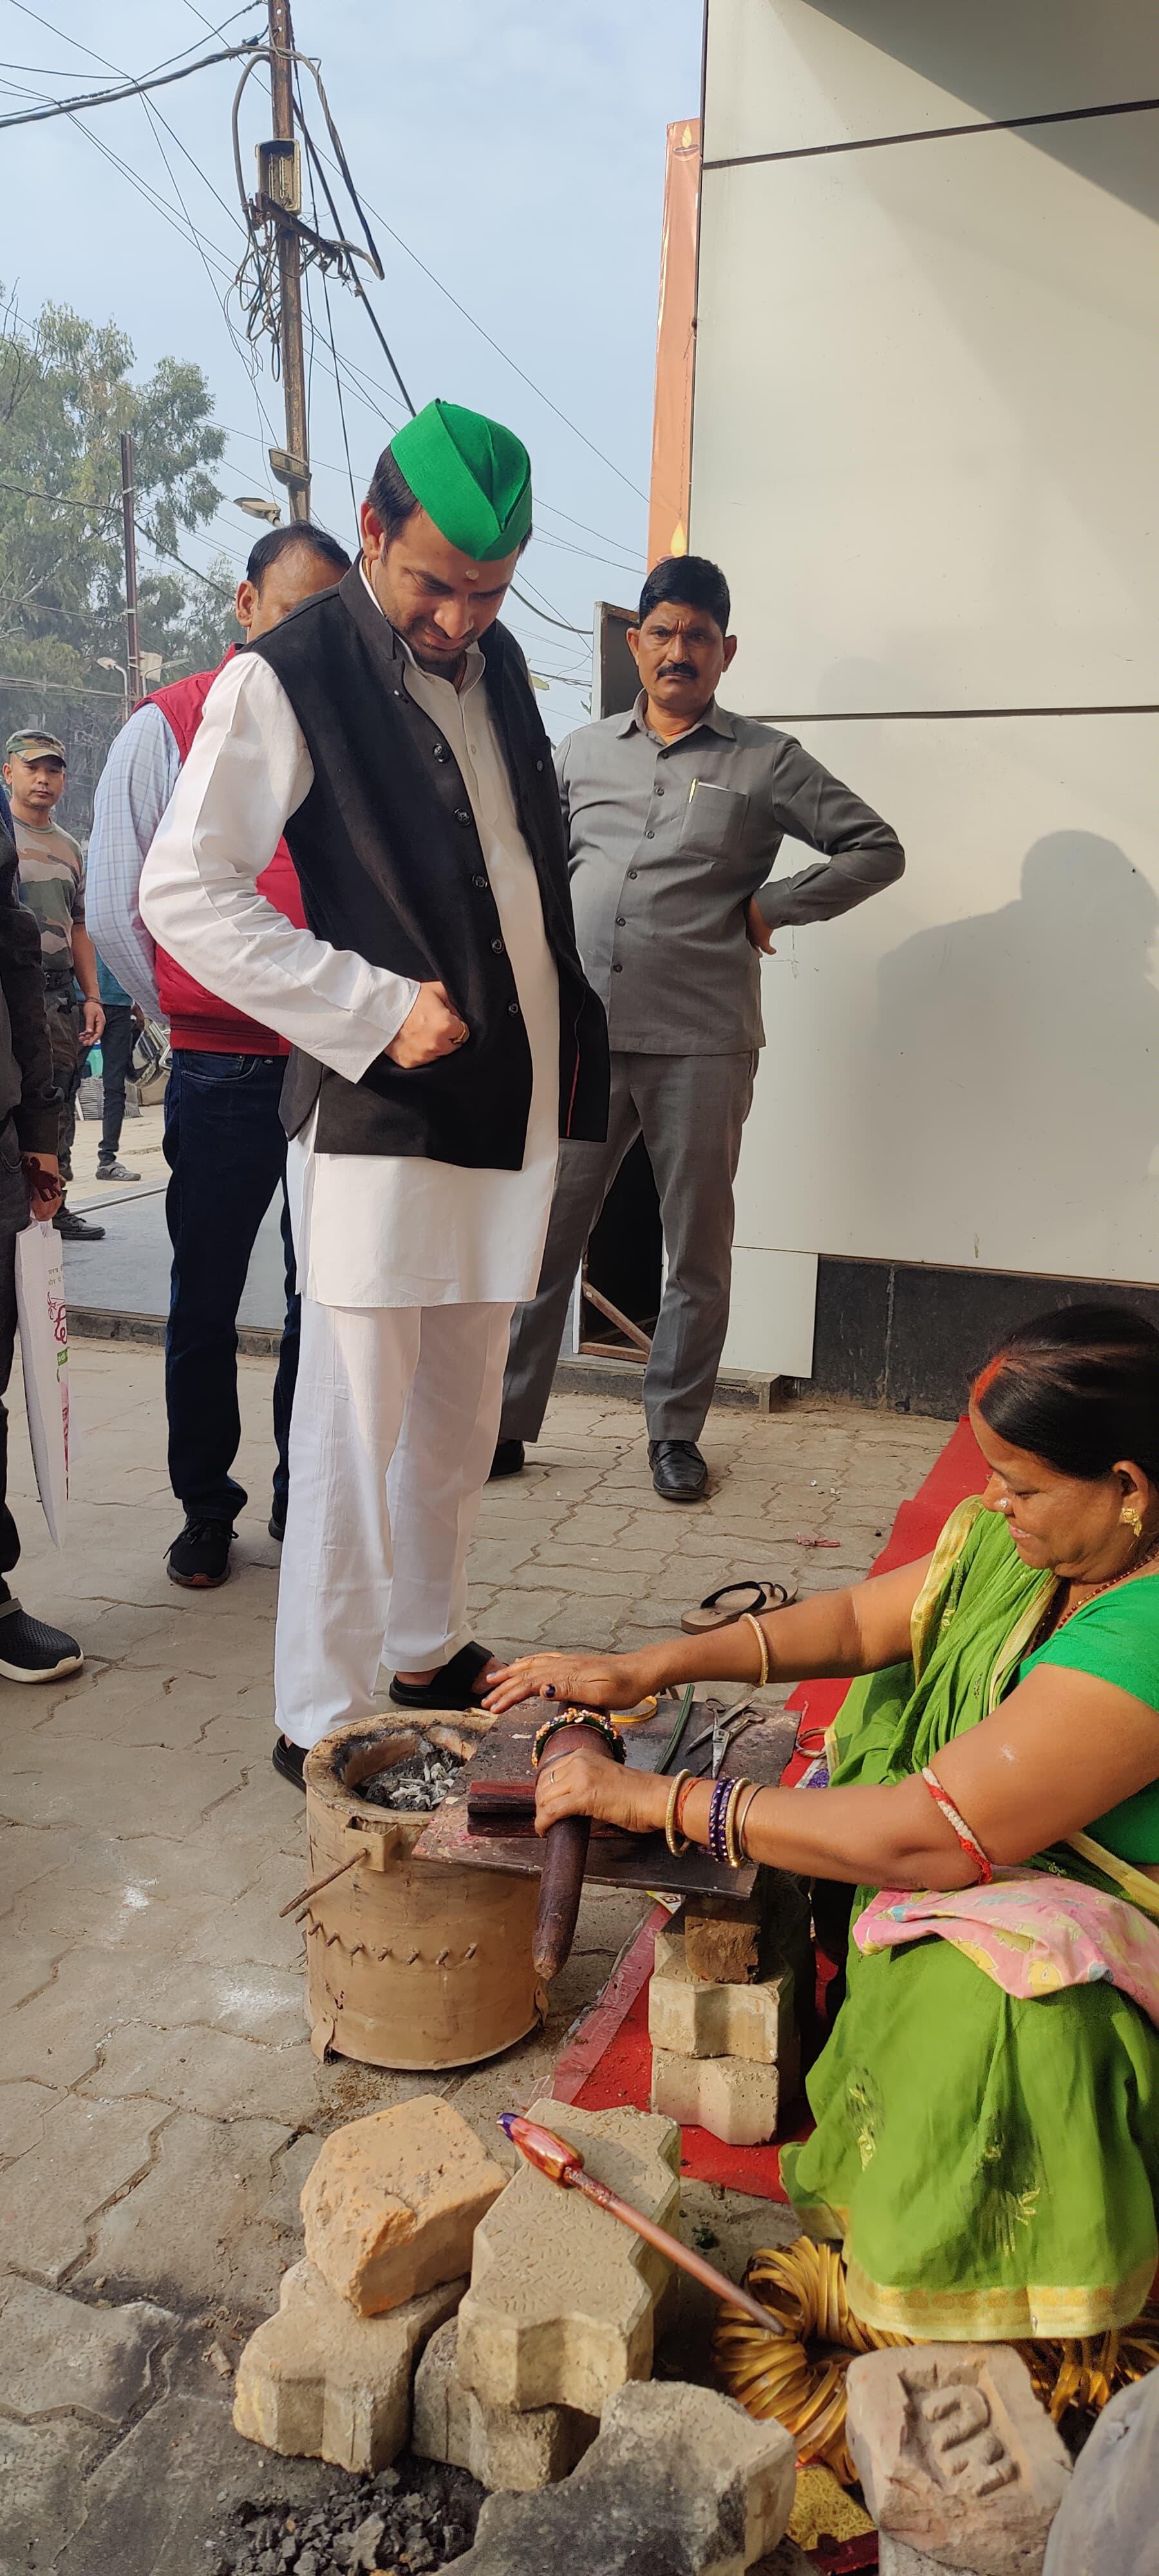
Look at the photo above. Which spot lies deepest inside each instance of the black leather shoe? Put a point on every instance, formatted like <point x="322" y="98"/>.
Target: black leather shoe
<point x="288" y="1759"/>
<point x="679" y="1473"/>
<point x="510" y="1459"/>
<point x="276" y="1523"/>
<point x="76" y="1229"/>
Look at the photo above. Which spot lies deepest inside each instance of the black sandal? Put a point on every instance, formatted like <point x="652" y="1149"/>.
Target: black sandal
<point x="733" y="1601"/>
<point x="453" y="1685"/>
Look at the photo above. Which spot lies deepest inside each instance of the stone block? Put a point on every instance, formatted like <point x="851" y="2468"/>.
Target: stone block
<point x="694" y="2019"/>
<point x="57" y="2355"/>
<point x="956" y="2456"/>
<point x="561" y="2307"/>
<point x="895" y="2558"/>
<point x="723" y="1938"/>
<point x="1109" y="2516"/>
<point x="500" y="2446"/>
<point x="729" y="2096"/>
<point x="392" y="2204"/>
<point x="680" y="2481"/>
<point x="318" y="2382"/>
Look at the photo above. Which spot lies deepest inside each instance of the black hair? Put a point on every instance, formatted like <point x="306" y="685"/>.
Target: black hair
<point x="691" y="581"/>
<point x="1079" y="1388"/>
<point x="297" y="532"/>
<point x="391" y="497"/>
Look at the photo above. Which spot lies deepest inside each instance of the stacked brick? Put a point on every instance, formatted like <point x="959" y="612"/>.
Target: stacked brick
<point x="721" y="2019"/>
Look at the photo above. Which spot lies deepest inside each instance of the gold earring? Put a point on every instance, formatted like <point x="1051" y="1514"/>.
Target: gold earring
<point x="1133" y="1520"/>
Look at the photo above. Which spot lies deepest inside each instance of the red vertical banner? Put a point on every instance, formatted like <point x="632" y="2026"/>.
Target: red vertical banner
<point x="675" y="347"/>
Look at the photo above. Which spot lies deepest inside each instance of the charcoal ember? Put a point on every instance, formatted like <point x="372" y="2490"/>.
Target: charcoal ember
<point x="413" y="1787"/>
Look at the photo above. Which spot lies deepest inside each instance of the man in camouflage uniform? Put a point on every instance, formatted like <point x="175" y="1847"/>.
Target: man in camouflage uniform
<point x="52" y="886"/>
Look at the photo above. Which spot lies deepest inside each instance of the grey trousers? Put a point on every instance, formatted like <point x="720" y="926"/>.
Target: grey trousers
<point x="690" y="1110"/>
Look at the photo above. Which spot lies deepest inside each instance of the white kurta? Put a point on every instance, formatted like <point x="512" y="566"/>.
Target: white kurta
<point x="369" y="1229"/>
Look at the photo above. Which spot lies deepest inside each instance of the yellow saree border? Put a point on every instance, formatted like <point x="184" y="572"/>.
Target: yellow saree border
<point x="1143" y="1891"/>
<point x="951" y="1541"/>
<point x="1001" y="2315"/>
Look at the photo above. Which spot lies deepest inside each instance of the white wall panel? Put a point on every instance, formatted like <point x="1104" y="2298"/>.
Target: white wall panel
<point x="770" y="1323"/>
<point x="926" y="402"/>
<point x="966" y="1070"/>
<point x="783" y="74"/>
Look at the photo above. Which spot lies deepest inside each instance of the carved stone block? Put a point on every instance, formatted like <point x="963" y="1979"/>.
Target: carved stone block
<point x="956" y="2456"/>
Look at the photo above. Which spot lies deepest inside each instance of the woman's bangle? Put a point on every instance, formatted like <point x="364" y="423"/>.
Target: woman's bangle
<point x="959" y="1828"/>
<point x="590" y="1717"/>
<point x="763" y="1643"/>
<point x="731" y="1839"/>
<point x="742" y="1817"/>
<point x="676" y="1841"/>
<point x="717" y="1808"/>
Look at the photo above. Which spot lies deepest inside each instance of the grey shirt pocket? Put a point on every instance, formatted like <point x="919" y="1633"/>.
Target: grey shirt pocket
<point x="713" y="820"/>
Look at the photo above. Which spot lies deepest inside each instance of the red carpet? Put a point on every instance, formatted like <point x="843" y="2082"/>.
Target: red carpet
<point x="610" y="2059"/>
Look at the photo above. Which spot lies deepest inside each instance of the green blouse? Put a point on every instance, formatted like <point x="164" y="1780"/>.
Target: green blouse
<point x="1116" y="1637"/>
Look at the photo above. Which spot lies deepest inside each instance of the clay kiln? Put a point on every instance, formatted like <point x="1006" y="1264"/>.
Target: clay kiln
<point x="408" y="1964"/>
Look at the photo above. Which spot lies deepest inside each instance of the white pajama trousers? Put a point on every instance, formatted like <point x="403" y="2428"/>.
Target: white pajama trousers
<point x="396" y="1413"/>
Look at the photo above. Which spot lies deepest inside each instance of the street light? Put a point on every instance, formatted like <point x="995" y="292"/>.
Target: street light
<point x="104" y="664"/>
<point x="256" y="506"/>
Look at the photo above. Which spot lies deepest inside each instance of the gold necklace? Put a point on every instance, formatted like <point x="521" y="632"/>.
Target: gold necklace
<point x="1050" y="1627"/>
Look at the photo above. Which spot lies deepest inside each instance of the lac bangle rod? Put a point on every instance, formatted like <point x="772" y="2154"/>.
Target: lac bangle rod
<point x="559" y="2163"/>
<point x="565" y="1852"/>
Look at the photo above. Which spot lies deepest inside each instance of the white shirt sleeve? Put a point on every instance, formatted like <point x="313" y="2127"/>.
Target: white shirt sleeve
<point x="134" y="789"/>
<point x="248" y="770"/>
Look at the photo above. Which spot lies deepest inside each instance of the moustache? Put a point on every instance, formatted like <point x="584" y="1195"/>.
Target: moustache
<point x="676" y="671"/>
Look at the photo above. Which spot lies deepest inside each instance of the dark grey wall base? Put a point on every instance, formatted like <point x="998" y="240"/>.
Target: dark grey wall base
<point x="911" y="1338"/>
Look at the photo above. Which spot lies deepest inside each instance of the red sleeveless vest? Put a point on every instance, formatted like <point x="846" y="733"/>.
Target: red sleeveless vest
<point x="197" y="1020"/>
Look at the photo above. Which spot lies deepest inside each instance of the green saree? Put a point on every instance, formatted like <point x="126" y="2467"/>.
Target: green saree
<point x="990" y="2164"/>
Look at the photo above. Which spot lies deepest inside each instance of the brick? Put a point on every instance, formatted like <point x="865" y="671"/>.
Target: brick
<point x="723" y="1938"/>
<point x="680" y="2481"/>
<point x="319" y="2382"/>
<point x="392" y="2204"/>
<point x="729" y="2096"/>
<point x="500" y="2446"/>
<point x="693" y="2019"/>
<point x="561" y="2307"/>
<point x="956" y="2456"/>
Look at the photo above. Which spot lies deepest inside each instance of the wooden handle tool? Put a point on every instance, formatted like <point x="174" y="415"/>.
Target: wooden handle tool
<point x="565" y="1851"/>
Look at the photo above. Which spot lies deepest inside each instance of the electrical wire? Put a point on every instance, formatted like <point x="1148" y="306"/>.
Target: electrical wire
<point x="105" y="98"/>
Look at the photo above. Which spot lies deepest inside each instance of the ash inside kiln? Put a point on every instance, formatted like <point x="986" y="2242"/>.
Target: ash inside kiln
<point x="414" y="1786"/>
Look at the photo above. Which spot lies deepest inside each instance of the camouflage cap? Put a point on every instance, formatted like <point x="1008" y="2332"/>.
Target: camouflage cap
<point x="31" y="744"/>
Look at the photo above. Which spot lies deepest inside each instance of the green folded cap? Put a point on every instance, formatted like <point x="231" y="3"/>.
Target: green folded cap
<point x="31" y="745"/>
<point x="471" y="476"/>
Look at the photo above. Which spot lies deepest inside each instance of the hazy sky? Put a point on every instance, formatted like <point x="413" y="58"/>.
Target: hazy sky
<point x="515" y="146"/>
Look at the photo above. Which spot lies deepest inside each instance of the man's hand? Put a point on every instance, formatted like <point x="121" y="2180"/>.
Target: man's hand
<point x="92" y="1022"/>
<point x="432" y="1028"/>
<point x="757" y="930"/>
<point x="42" y="1173"/>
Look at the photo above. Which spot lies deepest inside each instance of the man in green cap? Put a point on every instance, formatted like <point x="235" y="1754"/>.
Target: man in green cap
<point x="444" y="1038"/>
<point x="52" y="885"/>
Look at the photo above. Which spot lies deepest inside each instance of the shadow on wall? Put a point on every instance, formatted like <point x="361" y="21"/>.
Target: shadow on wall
<point x="1021" y="1049"/>
<point x="991" y="56"/>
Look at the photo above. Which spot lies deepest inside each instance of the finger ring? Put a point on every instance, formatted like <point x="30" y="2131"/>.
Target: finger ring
<point x="548" y="1691"/>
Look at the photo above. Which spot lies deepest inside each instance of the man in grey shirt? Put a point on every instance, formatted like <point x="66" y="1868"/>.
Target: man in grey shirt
<point x="675" y="815"/>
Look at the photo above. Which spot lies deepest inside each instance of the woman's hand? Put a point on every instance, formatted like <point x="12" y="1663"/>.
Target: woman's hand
<point x="587" y="1784"/>
<point x="585" y="1681"/>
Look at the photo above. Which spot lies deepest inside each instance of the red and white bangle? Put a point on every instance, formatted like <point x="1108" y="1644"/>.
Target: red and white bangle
<point x="958" y="1826"/>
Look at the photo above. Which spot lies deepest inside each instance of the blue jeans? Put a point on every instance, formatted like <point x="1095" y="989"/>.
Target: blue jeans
<point x="226" y="1152"/>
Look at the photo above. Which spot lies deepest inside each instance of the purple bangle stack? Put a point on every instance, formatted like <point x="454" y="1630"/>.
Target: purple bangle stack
<point x="717" y="1813"/>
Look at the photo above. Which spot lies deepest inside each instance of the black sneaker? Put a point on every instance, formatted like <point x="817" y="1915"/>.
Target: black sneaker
<point x="115" y="1171"/>
<point x="75" y="1229"/>
<point x="276" y="1523"/>
<point x="30" y="1652"/>
<point x="510" y="1459"/>
<point x="289" y="1759"/>
<point x="199" y="1557"/>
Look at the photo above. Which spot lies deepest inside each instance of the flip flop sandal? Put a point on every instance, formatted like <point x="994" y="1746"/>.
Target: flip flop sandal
<point x="453" y="1686"/>
<point x="732" y="1601"/>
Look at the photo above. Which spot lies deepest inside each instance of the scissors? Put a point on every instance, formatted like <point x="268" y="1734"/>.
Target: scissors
<point x="726" y="1726"/>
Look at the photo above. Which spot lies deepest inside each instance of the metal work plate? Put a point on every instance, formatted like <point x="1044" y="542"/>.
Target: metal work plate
<point x="620" y="1860"/>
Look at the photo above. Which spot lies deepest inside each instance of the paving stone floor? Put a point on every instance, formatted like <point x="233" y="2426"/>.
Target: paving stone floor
<point x="159" y="2102"/>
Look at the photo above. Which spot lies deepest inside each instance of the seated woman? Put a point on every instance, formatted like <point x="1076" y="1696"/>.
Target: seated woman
<point x="987" y="2107"/>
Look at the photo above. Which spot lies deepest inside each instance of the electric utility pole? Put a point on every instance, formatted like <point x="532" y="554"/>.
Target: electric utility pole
<point x="281" y="190"/>
<point x="129" y="513"/>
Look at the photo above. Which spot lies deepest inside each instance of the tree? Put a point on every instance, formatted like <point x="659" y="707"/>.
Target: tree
<point x="66" y="394"/>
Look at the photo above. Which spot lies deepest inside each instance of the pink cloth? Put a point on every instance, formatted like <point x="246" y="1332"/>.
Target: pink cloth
<point x="1031" y="1933"/>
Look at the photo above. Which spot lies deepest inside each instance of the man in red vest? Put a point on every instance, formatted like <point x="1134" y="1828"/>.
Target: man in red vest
<point x="224" y="1141"/>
